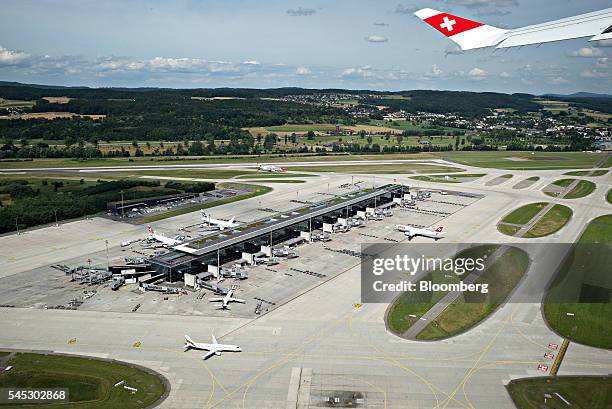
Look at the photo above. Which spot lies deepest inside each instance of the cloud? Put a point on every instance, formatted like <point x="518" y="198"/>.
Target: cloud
<point x="376" y="39"/>
<point x="558" y="81"/>
<point x="405" y="9"/>
<point x="251" y="62"/>
<point x="303" y="71"/>
<point x="9" y="57"/>
<point x="477" y="73"/>
<point x="301" y="12"/>
<point x="504" y="74"/>
<point x="357" y="72"/>
<point x="381" y="24"/>
<point x="587" y="52"/>
<point x="603" y="43"/>
<point x="595" y="73"/>
<point x="603" y="62"/>
<point x="434" y="71"/>
<point x="485" y="7"/>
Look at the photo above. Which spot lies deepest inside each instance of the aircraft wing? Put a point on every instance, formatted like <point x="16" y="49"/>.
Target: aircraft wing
<point x="470" y="34"/>
<point x="216" y="299"/>
<point x="237" y="300"/>
<point x="208" y="355"/>
<point x="597" y="25"/>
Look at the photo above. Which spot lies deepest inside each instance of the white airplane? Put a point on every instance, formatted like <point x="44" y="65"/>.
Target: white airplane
<point x="214" y="349"/>
<point x="221" y="224"/>
<point x="226" y="300"/>
<point x="167" y="241"/>
<point x="415" y="231"/>
<point x="271" y="168"/>
<point x="472" y="34"/>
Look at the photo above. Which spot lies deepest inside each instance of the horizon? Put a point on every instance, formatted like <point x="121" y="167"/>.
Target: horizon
<point x="20" y="84"/>
<point x="304" y="44"/>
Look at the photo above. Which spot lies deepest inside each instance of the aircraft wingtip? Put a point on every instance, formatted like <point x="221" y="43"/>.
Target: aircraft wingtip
<point x="426" y="13"/>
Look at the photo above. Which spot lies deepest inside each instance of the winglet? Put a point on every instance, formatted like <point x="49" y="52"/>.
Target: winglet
<point x="468" y="34"/>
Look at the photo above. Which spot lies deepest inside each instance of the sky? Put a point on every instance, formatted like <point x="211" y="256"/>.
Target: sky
<point x="356" y="44"/>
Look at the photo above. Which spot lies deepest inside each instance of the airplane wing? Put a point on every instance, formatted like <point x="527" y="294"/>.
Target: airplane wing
<point x="470" y="34"/>
<point x="208" y="355"/>
<point x="237" y="300"/>
<point x="216" y="299"/>
<point x="214" y="339"/>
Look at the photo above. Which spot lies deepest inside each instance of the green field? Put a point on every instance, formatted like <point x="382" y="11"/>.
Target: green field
<point x="590" y="323"/>
<point x="450" y="178"/>
<point x="523" y="214"/>
<point x="277" y="181"/>
<point x="583" y="392"/>
<point x="209" y="174"/>
<point x="582" y="189"/>
<point x="524" y="160"/>
<point x="12" y="103"/>
<point x="258" y="190"/>
<point x="410" y="306"/>
<point x="384" y="169"/>
<point x="468" y="310"/>
<point x="89" y="380"/>
<point x="507" y="229"/>
<point x="551" y="222"/>
<point x="599" y="172"/>
<point x="609" y="196"/>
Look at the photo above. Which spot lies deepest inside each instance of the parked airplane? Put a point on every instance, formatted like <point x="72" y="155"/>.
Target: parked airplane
<point x="415" y="231"/>
<point x="271" y="168"/>
<point x="472" y="34"/>
<point x="166" y="241"/>
<point x="220" y="224"/>
<point x="214" y="348"/>
<point x="226" y="300"/>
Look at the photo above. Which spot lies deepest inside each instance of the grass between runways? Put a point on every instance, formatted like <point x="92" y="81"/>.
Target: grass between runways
<point x="90" y="381"/>
<point x="582" y="392"/>
<point x="583" y="188"/>
<point x="382" y="168"/>
<point x="410" y="306"/>
<point x="599" y="172"/>
<point x="524" y="214"/>
<point x="257" y="191"/>
<point x="455" y="178"/>
<point x="551" y="222"/>
<point x="470" y="309"/>
<point x="582" y="288"/>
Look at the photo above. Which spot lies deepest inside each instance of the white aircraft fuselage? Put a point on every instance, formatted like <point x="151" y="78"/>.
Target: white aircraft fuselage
<point x="213" y="348"/>
<point x="411" y="231"/>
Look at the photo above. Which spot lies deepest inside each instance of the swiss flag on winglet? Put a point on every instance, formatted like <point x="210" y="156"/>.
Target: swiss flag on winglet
<point x="450" y="25"/>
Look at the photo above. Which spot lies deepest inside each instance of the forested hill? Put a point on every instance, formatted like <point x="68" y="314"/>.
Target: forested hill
<point x="419" y="100"/>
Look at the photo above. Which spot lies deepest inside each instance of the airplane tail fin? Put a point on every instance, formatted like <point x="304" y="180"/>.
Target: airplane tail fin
<point x="189" y="340"/>
<point x="150" y="229"/>
<point x="439" y="229"/>
<point x="466" y="33"/>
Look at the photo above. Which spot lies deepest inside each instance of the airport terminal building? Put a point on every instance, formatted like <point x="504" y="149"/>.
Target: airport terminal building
<point x="208" y="253"/>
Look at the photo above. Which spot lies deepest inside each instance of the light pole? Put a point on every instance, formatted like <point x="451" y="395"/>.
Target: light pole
<point x="107" y="259"/>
